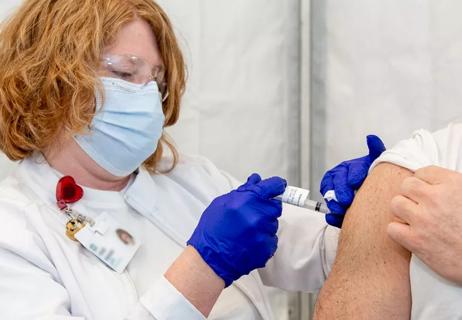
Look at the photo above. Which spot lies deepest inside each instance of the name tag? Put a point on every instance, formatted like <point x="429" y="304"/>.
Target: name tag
<point x="111" y="242"/>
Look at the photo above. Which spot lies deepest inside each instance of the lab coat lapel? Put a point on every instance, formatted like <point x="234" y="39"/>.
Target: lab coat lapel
<point x="141" y="196"/>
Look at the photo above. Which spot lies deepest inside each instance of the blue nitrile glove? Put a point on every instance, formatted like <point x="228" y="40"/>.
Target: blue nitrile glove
<point x="339" y="184"/>
<point x="237" y="232"/>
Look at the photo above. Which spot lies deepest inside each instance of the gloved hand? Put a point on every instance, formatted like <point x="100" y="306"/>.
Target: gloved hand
<point x="339" y="184"/>
<point x="237" y="232"/>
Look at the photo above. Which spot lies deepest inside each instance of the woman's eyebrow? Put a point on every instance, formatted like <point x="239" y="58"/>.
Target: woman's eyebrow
<point x="158" y="66"/>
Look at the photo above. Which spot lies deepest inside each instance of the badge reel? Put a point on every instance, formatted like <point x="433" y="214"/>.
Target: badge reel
<point x="105" y="237"/>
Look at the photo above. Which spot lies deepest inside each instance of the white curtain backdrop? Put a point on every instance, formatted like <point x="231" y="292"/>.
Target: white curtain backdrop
<point x="385" y="67"/>
<point x="241" y="107"/>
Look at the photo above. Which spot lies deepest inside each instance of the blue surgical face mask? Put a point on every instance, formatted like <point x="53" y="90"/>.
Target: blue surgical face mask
<point x="126" y="128"/>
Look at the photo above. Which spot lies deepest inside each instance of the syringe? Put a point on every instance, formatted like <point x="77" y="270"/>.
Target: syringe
<point x="299" y="197"/>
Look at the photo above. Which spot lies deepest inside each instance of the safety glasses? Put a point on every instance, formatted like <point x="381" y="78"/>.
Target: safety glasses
<point x="135" y="70"/>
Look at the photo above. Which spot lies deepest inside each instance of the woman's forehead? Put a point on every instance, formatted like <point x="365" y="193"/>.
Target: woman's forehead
<point x="136" y="38"/>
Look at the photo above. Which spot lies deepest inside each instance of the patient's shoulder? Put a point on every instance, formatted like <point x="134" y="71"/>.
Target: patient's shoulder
<point x="369" y="266"/>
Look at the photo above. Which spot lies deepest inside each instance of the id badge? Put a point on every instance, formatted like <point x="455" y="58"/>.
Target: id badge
<point x="112" y="243"/>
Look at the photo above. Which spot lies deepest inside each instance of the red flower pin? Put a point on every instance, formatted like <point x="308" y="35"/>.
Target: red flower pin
<point x="67" y="191"/>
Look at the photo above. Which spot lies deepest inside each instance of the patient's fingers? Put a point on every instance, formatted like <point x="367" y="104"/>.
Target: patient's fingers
<point x="404" y="209"/>
<point x="415" y="189"/>
<point x="433" y="174"/>
<point x="403" y="235"/>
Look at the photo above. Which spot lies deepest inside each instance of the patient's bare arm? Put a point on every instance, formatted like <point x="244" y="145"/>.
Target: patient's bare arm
<point x="370" y="276"/>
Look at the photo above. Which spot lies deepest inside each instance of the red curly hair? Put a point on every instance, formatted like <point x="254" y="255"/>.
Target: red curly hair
<point x="49" y="54"/>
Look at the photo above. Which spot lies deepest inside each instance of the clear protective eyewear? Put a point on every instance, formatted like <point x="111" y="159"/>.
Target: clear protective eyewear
<point x="135" y="70"/>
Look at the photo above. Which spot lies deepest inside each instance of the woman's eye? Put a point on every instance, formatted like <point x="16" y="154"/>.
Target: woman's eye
<point x="123" y="75"/>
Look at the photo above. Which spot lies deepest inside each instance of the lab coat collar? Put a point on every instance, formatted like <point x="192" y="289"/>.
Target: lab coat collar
<point x="36" y="172"/>
<point x="140" y="193"/>
<point x="143" y="194"/>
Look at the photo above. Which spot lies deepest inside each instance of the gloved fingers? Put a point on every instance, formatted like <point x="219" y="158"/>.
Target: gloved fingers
<point x="272" y="187"/>
<point x="376" y="147"/>
<point x="334" y="178"/>
<point x="273" y="245"/>
<point x="357" y="173"/>
<point x="327" y="183"/>
<point x="271" y="207"/>
<point x="343" y="191"/>
<point x="268" y="209"/>
<point x="335" y="220"/>
<point x="253" y="179"/>
<point x="336" y="208"/>
<point x="268" y="188"/>
<point x="267" y="247"/>
<point x="270" y="227"/>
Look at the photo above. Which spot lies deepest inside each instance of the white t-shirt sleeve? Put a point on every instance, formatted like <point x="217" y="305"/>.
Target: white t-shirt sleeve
<point x="442" y="148"/>
<point x="421" y="150"/>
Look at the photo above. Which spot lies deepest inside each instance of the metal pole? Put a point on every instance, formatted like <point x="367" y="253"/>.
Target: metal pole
<point x="306" y="301"/>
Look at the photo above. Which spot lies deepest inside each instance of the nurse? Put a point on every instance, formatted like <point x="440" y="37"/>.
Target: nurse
<point x="96" y="217"/>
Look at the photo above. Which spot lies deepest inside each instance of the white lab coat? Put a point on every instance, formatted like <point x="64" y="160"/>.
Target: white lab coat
<point x="44" y="275"/>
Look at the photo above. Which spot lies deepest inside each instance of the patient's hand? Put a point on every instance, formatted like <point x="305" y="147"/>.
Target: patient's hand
<point x="370" y="276"/>
<point x="430" y="210"/>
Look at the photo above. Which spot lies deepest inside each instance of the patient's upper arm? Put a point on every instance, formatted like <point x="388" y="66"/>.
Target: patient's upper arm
<point x="370" y="276"/>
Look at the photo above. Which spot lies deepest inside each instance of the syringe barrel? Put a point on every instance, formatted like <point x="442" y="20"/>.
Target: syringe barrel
<point x="299" y="197"/>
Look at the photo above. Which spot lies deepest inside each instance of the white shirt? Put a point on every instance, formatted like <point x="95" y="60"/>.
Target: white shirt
<point x="44" y="275"/>
<point x="432" y="296"/>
